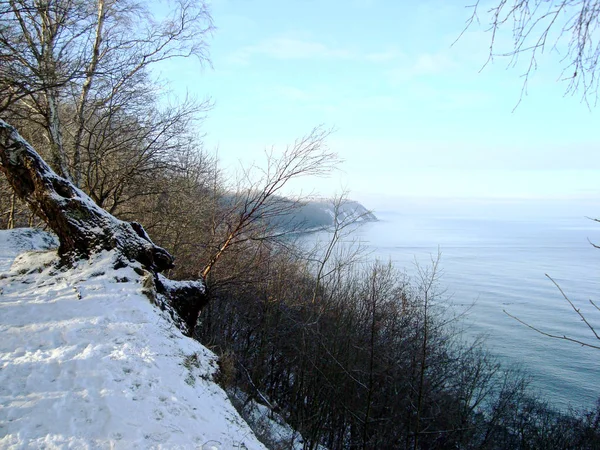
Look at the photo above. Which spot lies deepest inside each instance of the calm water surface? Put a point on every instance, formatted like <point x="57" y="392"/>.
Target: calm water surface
<point x="500" y="264"/>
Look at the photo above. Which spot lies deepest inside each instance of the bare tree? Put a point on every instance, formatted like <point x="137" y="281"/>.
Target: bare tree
<point x="126" y="152"/>
<point x="55" y="50"/>
<point x="181" y="215"/>
<point x="90" y="72"/>
<point x="568" y="27"/>
<point x="338" y="252"/>
<point x="120" y="60"/>
<point x="428" y="281"/>
<point x="35" y="46"/>
<point x="258" y="201"/>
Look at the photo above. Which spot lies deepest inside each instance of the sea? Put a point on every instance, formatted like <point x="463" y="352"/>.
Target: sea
<point x="498" y="258"/>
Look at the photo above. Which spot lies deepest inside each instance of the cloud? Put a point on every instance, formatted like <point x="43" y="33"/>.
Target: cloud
<point x="384" y="56"/>
<point x="292" y="93"/>
<point x="305" y="48"/>
<point x="287" y="48"/>
<point x="422" y="65"/>
<point x="428" y="63"/>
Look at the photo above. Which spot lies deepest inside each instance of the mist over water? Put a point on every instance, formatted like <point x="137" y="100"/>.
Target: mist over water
<point x="496" y="255"/>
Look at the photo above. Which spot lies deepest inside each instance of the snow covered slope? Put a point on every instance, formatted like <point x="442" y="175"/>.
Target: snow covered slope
<point x="86" y="361"/>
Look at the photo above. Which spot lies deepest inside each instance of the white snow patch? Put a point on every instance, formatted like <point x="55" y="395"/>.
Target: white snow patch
<point x="267" y="424"/>
<point x="86" y="361"/>
<point x="13" y="242"/>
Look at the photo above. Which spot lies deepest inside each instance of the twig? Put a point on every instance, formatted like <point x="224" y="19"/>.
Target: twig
<point x="577" y="310"/>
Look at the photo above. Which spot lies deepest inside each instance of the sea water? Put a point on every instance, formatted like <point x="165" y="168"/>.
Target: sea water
<point x="494" y="258"/>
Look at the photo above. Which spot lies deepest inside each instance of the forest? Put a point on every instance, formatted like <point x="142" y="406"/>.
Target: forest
<point x="350" y="352"/>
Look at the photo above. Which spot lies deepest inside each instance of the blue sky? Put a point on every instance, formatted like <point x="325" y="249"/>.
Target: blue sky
<point x="415" y="116"/>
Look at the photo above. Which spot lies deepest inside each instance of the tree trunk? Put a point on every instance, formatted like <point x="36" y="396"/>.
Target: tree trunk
<point x="85" y="90"/>
<point x="11" y="212"/>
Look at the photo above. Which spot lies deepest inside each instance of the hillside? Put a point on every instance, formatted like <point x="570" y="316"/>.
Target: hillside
<point x="86" y="361"/>
<point x="320" y="214"/>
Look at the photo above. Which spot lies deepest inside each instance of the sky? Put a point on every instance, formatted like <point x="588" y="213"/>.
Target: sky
<point x="416" y="112"/>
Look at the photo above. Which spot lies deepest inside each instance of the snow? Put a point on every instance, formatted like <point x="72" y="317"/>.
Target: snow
<point x="13" y="242"/>
<point x="270" y="425"/>
<point x="86" y="361"/>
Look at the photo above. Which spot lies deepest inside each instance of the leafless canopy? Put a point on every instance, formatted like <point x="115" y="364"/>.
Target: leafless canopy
<point x="66" y="63"/>
<point x="568" y="27"/>
<point x="257" y="198"/>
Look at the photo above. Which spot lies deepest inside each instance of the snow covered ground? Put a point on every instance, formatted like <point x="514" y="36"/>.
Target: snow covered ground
<point x="86" y="361"/>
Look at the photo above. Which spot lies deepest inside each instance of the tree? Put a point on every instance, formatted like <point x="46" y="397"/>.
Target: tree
<point x="337" y="253"/>
<point x="58" y="53"/>
<point x="181" y="213"/>
<point x="569" y="27"/>
<point x="127" y="150"/>
<point x="256" y="201"/>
